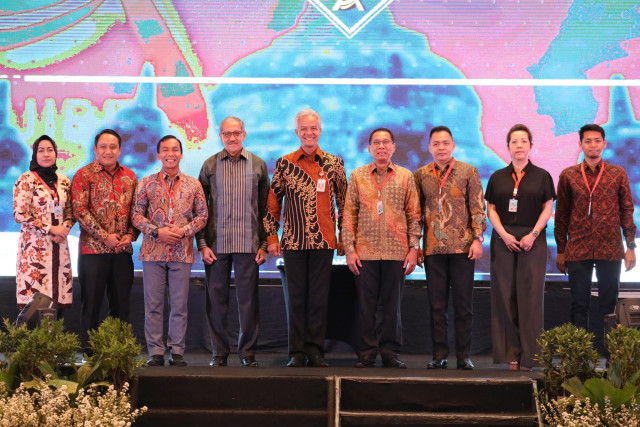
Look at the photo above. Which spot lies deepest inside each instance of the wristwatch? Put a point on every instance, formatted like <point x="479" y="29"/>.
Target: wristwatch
<point x="154" y="233"/>
<point x="479" y="239"/>
<point x="535" y="233"/>
<point x="631" y="245"/>
<point x="416" y="247"/>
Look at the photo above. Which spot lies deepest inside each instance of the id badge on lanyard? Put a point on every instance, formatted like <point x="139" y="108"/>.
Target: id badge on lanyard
<point x="513" y="202"/>
<point x="321" y="186"/>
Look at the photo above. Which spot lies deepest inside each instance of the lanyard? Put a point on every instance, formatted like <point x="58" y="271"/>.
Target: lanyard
<point x="375" y="183"/>
<point x="517" y="181"/>
<point x="589" y="189"/>
<point x="441" y="184"/>
<point x="173" y="191"/>
<point x="444" y="180"/>
<point x="54" y="194"/>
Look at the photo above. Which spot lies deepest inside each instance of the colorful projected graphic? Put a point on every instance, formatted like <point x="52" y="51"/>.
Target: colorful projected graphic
<point x="146" y="68"/>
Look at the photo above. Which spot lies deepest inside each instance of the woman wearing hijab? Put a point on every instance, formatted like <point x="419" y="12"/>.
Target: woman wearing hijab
<point x="42" y="207"/>
<point x="519" y="204"/>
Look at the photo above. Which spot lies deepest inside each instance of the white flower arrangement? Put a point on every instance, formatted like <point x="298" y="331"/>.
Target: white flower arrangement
<point x="572" y="412"/>
<point x="50" y="407"/>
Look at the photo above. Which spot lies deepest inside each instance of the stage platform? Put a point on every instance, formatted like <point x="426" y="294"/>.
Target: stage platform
<point x="341" y="395"/>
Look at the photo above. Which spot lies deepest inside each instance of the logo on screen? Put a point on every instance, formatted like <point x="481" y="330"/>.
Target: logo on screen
<point x="349" y="16"/>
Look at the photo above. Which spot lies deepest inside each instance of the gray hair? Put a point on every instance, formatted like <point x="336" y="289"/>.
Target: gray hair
<point x="232" y="118"/>
<point x="308" y="112"/>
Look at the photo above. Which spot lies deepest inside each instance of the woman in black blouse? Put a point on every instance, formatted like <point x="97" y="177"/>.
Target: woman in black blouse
<point x="519" y="204"/>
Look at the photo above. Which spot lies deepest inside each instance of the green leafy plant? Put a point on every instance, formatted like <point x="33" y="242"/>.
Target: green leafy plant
<point x="27" y="349"/>
<point x="566" y="352"/>
<point x="610" y="388"/>
<point x="116" y="352"/>
<point x="623" y="344"/>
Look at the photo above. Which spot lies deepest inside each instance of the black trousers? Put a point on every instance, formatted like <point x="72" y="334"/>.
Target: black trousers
<point x="580" y="275"/>
<point x="246" y="280"/>
<point x="517" y="297"/>
<point x="306" y="294"/>
<point x="380" y="282"/>
<point x="99" y="274"/>
<point x="445" y="273"/>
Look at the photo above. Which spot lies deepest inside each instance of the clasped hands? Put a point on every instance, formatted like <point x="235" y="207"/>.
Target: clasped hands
<point x="117" y="243"/>
<point x="515" y="245"/>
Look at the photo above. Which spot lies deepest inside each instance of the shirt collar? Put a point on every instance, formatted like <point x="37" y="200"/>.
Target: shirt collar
<point x="375" y="169"/>
<point x="166" y="175"/>
<point x="596" y="169"/>
<point x="225" y="155"/>
<point x="527" y="168"/>
<point x="445" y="167"/>
<point x="300" y="153"/>
<point x="97" y="167"/>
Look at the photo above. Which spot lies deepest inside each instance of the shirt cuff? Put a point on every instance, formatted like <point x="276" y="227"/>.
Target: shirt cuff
<point x="201" y="244"/>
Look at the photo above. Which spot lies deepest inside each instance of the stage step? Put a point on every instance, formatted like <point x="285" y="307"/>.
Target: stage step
<point x="326" y="397"/>
<point x="429" y="401"/>
<point x="203" y="397"/>
<point x="363" y="419"/>
<point x="232" y="418"/>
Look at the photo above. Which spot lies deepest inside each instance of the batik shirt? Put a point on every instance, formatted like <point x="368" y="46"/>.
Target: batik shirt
<point x="583" y="236"/>
<point x="310" y="216"/>
<point x="42" y="264"/>
<point x="102" y="206"/>
<point x="385" y="227"/>
<point x="452" y="228"/>
<point x="181" y="203"/>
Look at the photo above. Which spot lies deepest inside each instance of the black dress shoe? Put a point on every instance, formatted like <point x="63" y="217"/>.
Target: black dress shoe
<point x="218" y="361"/>
<point x="465" y="364"/>
<point x="437" y="364"/>
<point x="249" y="361"/>
<point x="156" y="360"/>
<point x="177" y="360"/>
<point x="394" y="363"/>
<point x="316" y="360"/>
<point x="366" y="362"/>
<point x="296" y="361"/>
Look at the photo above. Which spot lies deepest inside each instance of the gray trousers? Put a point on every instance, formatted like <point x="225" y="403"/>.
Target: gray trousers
<point x="157" y="277"/>
<point x="246" y="280"/>
<point x="517" y="297"/>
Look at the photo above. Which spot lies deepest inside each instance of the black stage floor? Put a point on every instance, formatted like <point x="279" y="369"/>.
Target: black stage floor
<point x="274" y="362"/>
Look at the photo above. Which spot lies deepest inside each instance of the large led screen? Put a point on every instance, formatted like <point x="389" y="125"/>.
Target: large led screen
<point x="147" y="68"/>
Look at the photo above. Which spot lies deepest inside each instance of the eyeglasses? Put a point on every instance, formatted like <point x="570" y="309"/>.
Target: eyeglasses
<point x="236" y="133"/>
<point x="385" y="142"/>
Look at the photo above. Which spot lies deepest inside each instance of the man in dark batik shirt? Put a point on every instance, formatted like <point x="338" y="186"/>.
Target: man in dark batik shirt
<point x="594" y="203"/>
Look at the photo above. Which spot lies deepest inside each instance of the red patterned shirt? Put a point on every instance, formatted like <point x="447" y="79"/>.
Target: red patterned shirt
<point x="102" y="206"/>
<point x="581" y="236"/>
<point x="309" y="216"/>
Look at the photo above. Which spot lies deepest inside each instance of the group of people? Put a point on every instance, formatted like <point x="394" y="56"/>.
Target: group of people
<point x="377" y="219"/>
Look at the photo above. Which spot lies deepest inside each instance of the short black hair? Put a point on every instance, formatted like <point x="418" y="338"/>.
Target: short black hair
<point x="164" y="138"/>
<point x="108" y="132"/>
<point x="382" y="130"/>
<point x="591" y="127"/>
<point x="440" y="129"/>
